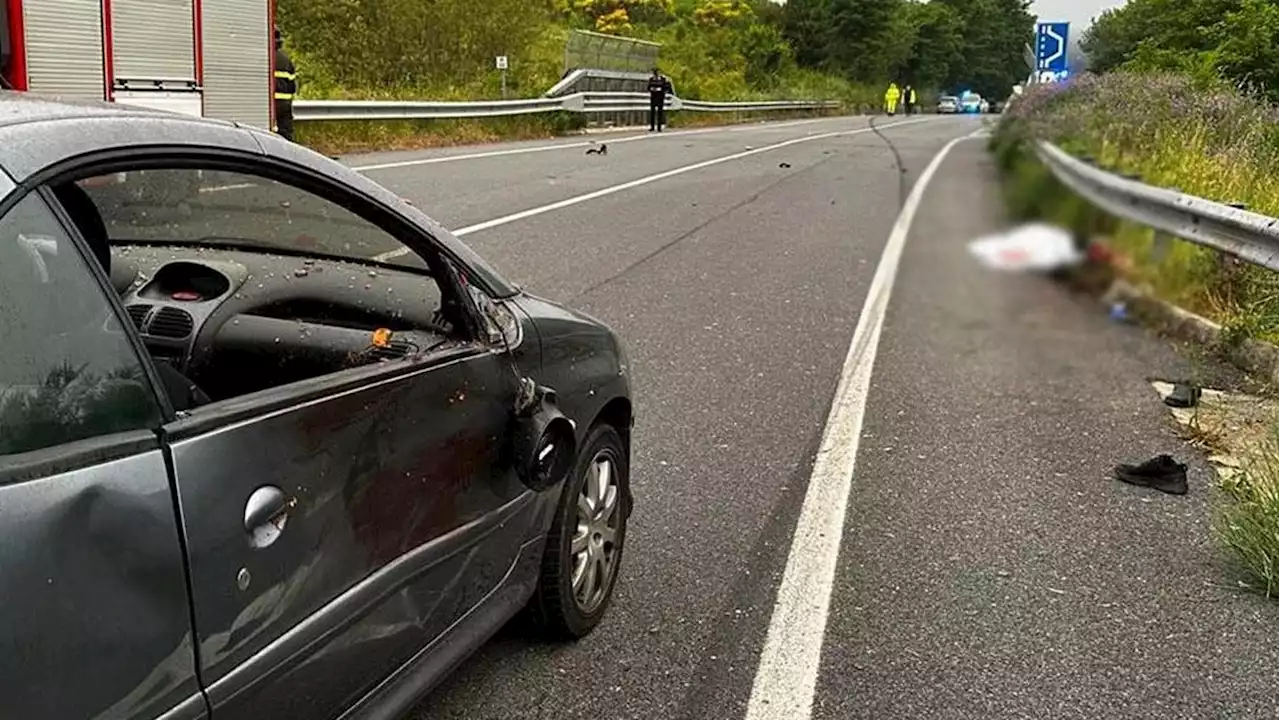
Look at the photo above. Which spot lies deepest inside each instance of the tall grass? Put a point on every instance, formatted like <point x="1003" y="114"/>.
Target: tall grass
<point x="1248" y="523"/>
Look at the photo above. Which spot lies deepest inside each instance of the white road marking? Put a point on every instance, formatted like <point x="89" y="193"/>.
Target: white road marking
<point x="567" y="202"/>
<point x="571" y="145"/>
<point x="787" y="676"/>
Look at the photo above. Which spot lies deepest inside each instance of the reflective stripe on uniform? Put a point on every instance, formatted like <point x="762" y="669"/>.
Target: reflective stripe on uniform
<point x="283" y="96"/>
<point x="282" y="75"/>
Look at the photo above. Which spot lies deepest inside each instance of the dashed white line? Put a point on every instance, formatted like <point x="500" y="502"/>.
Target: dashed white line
<point x="787" y="675"/>
<point x="572" y="145"/>
<point x="567" y="202"/>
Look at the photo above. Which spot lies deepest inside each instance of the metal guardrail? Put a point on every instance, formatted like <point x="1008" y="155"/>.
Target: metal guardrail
<point x="583" y="102"/>
<point x="1249" y="236"/>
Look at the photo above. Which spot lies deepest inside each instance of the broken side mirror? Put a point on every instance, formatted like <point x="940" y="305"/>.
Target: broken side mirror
<point x="501" y="325"/>
<point x="544" y="441"/>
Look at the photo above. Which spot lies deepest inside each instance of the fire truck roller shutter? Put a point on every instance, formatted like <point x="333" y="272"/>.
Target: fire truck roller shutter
<point x="63" y="39"/>
<point x="237" y="61"/>
<point x="153" y="40"/>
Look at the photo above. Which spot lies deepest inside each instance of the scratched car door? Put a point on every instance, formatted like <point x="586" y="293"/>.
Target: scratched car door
<point x="377" y="502"/>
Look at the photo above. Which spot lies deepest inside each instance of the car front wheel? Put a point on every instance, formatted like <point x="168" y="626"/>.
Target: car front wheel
<point x="584" y="547"/>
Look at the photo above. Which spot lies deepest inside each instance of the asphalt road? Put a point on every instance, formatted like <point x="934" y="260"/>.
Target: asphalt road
<point x="987" y="567"/>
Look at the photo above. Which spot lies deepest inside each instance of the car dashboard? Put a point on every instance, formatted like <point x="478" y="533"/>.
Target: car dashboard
<point x="238" y="321"/>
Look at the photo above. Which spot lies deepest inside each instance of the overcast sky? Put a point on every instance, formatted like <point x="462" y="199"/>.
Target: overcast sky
<point x="1077" y="12"/>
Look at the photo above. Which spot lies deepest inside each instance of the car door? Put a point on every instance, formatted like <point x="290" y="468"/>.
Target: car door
<point x="96" y="619"/>
<point x="335" y="526"/>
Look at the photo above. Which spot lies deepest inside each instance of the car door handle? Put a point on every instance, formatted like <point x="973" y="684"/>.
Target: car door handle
<point x="265" y="515"/>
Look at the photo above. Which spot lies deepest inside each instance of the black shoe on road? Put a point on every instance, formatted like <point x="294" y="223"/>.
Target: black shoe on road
<point x="1161" y="473"/>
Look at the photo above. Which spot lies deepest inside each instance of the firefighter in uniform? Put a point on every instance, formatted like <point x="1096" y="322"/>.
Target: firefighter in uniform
<point x="659" y="88"/>
<point x="286" y="87"/>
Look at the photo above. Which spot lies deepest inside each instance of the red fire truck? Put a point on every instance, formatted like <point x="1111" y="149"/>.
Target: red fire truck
<point x="211" y="58"/>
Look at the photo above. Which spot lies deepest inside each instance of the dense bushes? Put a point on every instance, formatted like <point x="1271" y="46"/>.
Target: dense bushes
<point x="712" y="49"/>
<point x="1233" y="40"/>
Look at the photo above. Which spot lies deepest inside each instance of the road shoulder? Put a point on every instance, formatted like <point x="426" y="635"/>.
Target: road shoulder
<point x="990" y="567"/>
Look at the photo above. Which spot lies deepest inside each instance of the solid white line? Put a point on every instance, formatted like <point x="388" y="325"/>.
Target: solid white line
<point x="785" y="680"/>
<point x="571" y="145"/>
<point x="531" y="212"/>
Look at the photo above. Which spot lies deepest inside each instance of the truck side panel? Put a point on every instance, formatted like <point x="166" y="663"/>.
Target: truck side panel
<point x="153" y="40"/>
<point x="236" y="52"/>
<point x="63" y="41"/>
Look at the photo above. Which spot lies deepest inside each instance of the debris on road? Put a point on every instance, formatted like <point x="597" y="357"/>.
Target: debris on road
<point x="784" y="164"/>
<point x="1030" y="247"/>
<point x="1161" y="473"/>
<point x="1119" y="312"/>
<point x="1183" y="395"/>
<point x="1228" y="425"/>
<point x="602" y="150"/>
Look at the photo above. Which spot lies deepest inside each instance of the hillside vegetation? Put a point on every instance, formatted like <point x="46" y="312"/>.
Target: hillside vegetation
<point x="711" y="49"/>
<point x="1206" y="41"/>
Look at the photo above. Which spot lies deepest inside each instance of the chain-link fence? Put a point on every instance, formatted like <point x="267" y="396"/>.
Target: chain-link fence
<point x="585" y="49"/>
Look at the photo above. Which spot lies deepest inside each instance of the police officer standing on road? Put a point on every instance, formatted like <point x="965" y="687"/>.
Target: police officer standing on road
<point x="286" y="88"/>
<point x="659" y="88"/>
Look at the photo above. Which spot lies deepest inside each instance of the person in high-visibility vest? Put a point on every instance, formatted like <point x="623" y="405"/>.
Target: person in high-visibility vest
<point x="891" y="98"/>
<point x="909" y="98"/>
<point x="286" y="88"/>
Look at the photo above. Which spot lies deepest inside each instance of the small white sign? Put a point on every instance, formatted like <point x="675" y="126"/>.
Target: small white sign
<point x="501" y="62"/>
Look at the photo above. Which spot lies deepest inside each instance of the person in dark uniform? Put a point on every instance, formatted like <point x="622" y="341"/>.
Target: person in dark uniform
<point x="659" y="88"/>
<point x="286" y="88"/>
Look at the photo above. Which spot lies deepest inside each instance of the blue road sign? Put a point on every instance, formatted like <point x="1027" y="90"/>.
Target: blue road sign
<point x="1051" y="48"/>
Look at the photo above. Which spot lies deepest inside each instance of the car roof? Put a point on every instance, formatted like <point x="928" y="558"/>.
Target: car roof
<point x="39" y="132"/>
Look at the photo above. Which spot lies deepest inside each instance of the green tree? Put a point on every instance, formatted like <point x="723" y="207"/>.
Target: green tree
<point x="862" y="38"/>
<point x="995" y="32"/>
<point x="934" y="33"/>
<point x="806" y="26"/>
<point x="1247" y="53"/>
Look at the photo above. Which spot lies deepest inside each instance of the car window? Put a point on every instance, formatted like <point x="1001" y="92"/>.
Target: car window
<point x="68" y="371"/>
<point x="239" y="283"/>
<point x="192" y="205"/>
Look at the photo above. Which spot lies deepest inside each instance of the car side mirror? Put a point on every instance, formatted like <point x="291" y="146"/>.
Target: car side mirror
<point x="544" y="441"/>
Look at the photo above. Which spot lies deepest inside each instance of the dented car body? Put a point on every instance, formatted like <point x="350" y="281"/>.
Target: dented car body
<point x="280" y="445"/>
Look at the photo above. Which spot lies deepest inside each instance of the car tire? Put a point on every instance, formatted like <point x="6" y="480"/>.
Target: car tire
<point x="562" y="609"/>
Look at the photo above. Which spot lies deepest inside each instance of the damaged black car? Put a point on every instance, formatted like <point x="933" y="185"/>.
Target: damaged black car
<point x="274" y="444"/>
